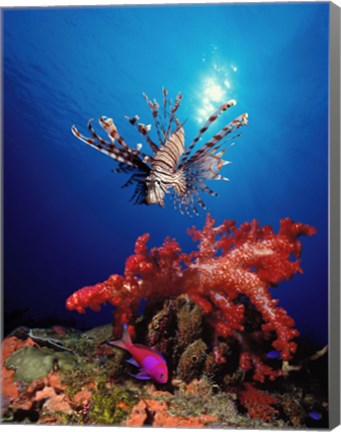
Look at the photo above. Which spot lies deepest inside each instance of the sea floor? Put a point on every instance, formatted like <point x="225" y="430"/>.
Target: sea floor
<point x="61" y="375"/>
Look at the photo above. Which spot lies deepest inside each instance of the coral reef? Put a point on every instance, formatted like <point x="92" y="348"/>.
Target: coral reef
<point x="209" y="312"/>
<point x="97" y="390"/>
<point x="42" y="385"/>
<point x="228" y="277"/>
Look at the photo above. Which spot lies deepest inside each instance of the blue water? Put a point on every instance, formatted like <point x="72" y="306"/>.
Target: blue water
<point x="68" y="223"/>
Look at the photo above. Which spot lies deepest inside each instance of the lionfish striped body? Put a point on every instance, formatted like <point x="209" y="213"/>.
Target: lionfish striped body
<point x="170" y="168"/>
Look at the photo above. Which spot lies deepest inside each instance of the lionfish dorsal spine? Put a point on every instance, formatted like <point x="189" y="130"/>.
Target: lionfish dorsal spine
<point x="144" y="131"/>
<point x="226" y="130"/>
<point x="213" y="117"/>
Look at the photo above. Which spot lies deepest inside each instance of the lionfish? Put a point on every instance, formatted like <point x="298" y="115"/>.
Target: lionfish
<point x="170" y="168"/>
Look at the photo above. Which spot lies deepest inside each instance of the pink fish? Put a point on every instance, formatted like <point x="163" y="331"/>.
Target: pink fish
<point x="152" y="365"/>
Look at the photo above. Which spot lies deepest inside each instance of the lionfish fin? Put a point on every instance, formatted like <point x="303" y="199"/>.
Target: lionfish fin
<point x="103" y="147"/>
<point x="207" y="124"/>
<point x="144" y="131"/>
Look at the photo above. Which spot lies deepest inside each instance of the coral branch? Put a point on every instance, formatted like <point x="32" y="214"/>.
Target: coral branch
<point x="258" y="403"/>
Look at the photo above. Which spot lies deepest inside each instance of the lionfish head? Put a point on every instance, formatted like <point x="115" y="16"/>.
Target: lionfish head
<point x="155" y="191"/>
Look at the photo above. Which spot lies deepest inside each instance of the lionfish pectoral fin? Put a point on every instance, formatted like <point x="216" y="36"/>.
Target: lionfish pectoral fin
<point x="78" y="135"/>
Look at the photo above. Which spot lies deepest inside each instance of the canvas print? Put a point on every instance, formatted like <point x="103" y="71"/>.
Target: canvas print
<point x="166" y="216"/>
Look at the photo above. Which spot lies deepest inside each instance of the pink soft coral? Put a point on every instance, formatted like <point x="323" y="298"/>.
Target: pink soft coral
<point x="230" y="262"/>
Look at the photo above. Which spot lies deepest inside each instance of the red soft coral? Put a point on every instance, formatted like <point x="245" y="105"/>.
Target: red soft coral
<point x="253" y="259"/>
<point x="258" y="404"/>
<point x="230" y="263"/>
<point x="153" y="275"/>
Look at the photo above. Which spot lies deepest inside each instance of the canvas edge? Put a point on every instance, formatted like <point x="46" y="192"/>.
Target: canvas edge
<point x="334" y="217"/>
<point x="1" y="176"/>
<point x="334" y="207"/>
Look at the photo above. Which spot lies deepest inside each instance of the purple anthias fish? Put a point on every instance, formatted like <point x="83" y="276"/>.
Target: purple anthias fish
<point x="152" y="365"/>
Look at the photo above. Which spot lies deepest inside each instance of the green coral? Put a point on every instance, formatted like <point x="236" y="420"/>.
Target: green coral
<point x="99" y="334"/>
<point x="111" y="405"/>
<point x="31" y="363"/>
<point x="65" y="361"/>
<point x="88" y="371"/>
<point x="115" y="366"/>
<point x="77" y="377"/>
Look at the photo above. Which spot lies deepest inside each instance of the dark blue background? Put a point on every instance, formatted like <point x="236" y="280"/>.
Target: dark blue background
<point x="67" y="222"/>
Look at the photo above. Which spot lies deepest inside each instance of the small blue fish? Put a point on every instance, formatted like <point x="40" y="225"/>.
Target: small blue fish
<point x="315" y="415"/>
<point x="273" y="355"/>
